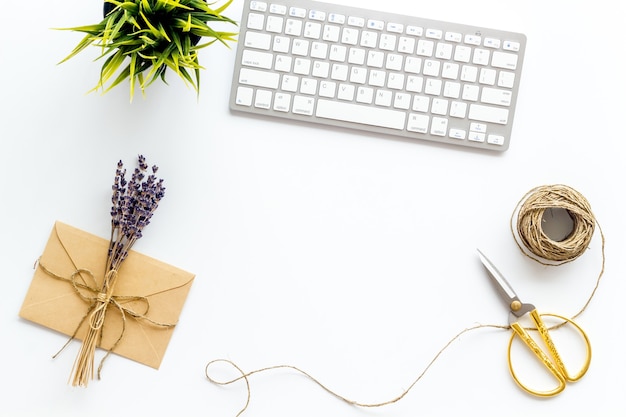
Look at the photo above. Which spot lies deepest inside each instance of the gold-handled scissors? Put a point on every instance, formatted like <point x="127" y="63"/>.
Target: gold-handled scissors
<point x="554" y="362"/>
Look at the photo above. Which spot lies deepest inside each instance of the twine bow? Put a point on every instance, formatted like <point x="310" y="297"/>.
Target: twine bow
<point x="99" y="299"/>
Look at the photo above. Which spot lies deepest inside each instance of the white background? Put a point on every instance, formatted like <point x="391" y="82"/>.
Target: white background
<point x="351" y="256"/>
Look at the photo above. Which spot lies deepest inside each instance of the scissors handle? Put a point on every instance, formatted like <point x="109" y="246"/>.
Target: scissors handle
<point x="555" y="364"/>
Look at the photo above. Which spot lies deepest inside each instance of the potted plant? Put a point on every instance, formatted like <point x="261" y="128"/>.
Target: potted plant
<point x="151" y="36"/>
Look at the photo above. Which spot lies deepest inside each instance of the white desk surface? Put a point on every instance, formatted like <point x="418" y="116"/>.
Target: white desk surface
<point x="351" y="256"/>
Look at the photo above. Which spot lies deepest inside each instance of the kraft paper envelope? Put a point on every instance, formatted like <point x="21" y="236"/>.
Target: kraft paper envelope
<point x="54" y="303"/>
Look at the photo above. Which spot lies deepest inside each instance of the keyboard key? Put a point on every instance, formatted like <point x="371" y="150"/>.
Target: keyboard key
<point x="393" y="62"/>
<point x="302" y="66"/>
<point x="488" y="114"/>
<point x="339" y="72"/>
<point x="300" y="47"/>
<point x="444" y="51"/>
<point x="290" y="83"/>
<point x="308" y="86"/>
<point x="473" y="40"/>
<point x="511" y="46"/>
<point x="293" y="27"/>
<point x="303" y="105"/>
<point x="457" y="134"/>
<point x="383" y="98"/>
<point x="256" y="21"/>
<point x="439" y="107"/>
<point x="356" y="21"/>
<point x="487" y="76"/>
<point x="282" y="102"/>
<point x="346" y="92"/>
<point x="504" y="60"/>
<point x="283" y="63"/>
<point x="263" y="99"/>
<point x="478" y="127"/>
<point x="434" y="33"/>
<point x="331" y="33"/>
<point x="387" y="42"/>
<point x="258" y="6"/>
<point x="337" y="53"/>
<point x="458" y="109"/>
<point x="274" y="24"/>
<point x="439" y="126"/>
<point x="495" y="139"/>
<point x="350" y="36"/>
<point x="496" y="96"/>
<point x="321" y="69"/>
<point x="506" y="79"/>
<point x="257" y="59"/>
<point x="453" y="37"/>
<point x="481" y="57"/>
<point x="402" y="101"/>
<point x="258" y="40"/>
<point x="281" y="44"/>
<point x="327" y="89"/>
<point x="406" y="45"/>
<point x="278" y="9"/>
<point x="425" y="48"/>
<point x="476" y="137"/>
<point x="462" y="53"/>
<point x="317" y="15"/>
<point x="312" y="30"/>
<point x="414" y="30"/>
<point x="319" y="50"/>
<point x="365" y="95"/>
<point x="337" y="18"/>
<point x="297" y="12"/>
<point x="421" y="104"/>
<point x="258" y="78"/>
<point x="369" y="39"/>
<point x="366" y="115"/>
<point x="375" y="59"/>
<point x="244" y="96"/>
<point x="375" y="24"/>
<point x="470" y="92"/>
<point x="491" y="43"/>
<point x="418" y="123"/>
<point x="395" y="27"/>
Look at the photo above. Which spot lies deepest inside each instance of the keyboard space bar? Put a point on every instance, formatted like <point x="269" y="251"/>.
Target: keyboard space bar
<point x="372" y="116"/>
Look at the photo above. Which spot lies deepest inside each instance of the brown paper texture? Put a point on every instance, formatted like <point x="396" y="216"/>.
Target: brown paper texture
<point x="54" y="303"/>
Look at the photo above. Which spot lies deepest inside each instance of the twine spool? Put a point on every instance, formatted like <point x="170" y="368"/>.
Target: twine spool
<point x="529" y="232"/>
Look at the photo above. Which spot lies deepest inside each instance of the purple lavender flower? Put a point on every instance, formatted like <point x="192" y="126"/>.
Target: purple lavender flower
<point x="134" y="203"/>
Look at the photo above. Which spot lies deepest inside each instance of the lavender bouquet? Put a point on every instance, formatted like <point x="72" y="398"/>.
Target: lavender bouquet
<point x="134" y="203"/>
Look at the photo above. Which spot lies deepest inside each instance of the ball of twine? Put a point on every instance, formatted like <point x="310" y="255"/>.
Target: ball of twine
<point x="530" y="234"/>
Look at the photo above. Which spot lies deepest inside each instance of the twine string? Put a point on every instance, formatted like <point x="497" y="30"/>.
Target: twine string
<point x="246" y="375"/>
<point x="532" y="241"/>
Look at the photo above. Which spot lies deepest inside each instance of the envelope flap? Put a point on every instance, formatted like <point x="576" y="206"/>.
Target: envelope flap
<point x="83" y="250"/>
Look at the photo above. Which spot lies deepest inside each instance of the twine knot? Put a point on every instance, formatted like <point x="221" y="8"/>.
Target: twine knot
<point x="103" y="297"/>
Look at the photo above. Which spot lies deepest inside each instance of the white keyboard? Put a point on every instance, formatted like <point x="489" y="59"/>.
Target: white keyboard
<point x="380" y="72"/>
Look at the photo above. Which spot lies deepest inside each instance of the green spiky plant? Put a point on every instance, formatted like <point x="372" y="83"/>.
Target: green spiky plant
<point x="152" y="36"/>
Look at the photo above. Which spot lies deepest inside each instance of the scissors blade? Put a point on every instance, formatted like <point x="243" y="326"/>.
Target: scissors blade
<point x="504" y="288"/>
